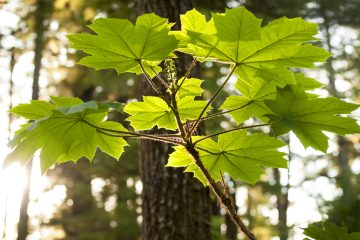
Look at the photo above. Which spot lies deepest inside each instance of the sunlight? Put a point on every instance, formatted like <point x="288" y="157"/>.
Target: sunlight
<point x="46" y="198"/>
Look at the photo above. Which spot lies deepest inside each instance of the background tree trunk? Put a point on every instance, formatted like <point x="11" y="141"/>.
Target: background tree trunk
<point x="231" y="228"/>
<point x="42" y="10"/>
<point x="174" y="204"/>
<point x="282" y="203"/>
<point x="342" y="160"/>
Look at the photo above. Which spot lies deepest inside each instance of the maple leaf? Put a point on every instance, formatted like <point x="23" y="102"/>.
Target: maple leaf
<point x="121" y="45"/>
<point x="190" y="87"/>
<point x="254" y="91"/>
<point x="265" y="52"/>
<point x="293" y="110"/>
<point x="64" y="131"/>
<point x="154" y="111"/>
<point x="330" y="231"/>
<point x="236" y="153"/>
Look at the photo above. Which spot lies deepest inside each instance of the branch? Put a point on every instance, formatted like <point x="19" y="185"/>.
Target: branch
<point x="177" y="115"/>
<point x="211" y="100"/>
<point x="231" y="130"/>
<point x="224" y="200"/>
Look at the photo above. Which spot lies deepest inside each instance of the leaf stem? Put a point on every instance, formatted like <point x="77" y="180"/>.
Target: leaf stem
<point x="211" y="100"/>
<point x="148" y="137"/>
<point x="160" y="78"/>
<point x="134" y="134"/>
<point x="187" y="74"/>
<point x="147" y="77"/>
<point x="177" y="116"/>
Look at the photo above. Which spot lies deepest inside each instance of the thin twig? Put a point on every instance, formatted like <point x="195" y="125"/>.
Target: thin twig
<point x="134" y="134"/>
<point x="226" y="188"/>
<point x="148" y="137"/>
<point x="177" y="116"/>
<point x="231" y="130"/>
<point x="211" y="100"/>
<point x="147" y="77"/>
<point x="187" y="74"/>
<point x="160" y="78"/>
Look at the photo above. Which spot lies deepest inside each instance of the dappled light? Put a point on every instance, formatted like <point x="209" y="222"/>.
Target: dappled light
<point x="179" y="119"/>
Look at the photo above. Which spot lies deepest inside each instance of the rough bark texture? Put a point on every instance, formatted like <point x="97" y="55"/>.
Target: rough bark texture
<point x="175" y="205"/>
<point x="231" y="229"/>
<point x="42" y="9"/>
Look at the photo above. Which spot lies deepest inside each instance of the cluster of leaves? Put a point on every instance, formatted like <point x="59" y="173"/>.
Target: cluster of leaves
<point x="330" y="231"/>
<point x="260" y="57"/>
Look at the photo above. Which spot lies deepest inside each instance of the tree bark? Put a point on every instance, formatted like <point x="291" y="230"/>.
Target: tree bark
<point x="175" y="206"/>
<point x="42" y="9"/>
<point x="231" y="229"/>
<point x="282" y="203"/>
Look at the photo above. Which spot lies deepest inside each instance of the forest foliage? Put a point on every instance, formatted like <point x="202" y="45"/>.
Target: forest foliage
<point x="262" y="58"/>
<point x="259" y="56"/>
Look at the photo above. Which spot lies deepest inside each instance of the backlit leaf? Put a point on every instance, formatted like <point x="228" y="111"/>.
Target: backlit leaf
<point x="330" y="231"/>
<point x="121" y="45"/>
<point x="235" y="153"/>
<point x="293" y="110"/>
<point x="67" y="132"/>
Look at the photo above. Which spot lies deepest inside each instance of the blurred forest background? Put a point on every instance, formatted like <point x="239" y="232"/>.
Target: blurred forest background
<point x="102" y="199"/>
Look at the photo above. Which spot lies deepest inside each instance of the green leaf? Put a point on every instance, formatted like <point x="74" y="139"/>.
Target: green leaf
<point x="280" y="76"/>
<point x="154" y="111"/>
<point x="293" y="110"/>
<point x="236" y="153"/>
<point x="190" y="87"/>
<point x="303" y="56"/>
<point x="251" y="102"/>
<point x="306" y="82"/>
<point x="236" y="25"/>
<point x="211" y="41"/>
<point x="34" y="111"/>
<point x="235" y="37"/>
<point x="78" y="108"/>
<point x="254" y="91"/>
<point x="117" y="106"/>
<point x="65" y="101"/>
<point x="121" y="45"/>
<point x="65" y="134"/>
<point x="330" y="231"/>
<point x="190" y="109"/>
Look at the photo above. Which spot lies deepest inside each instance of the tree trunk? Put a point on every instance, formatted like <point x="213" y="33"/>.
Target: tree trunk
<point x="344" y="145"/>
<point x="282" y="203"/>
<point x="348" y="197"/>
<point x="231" y="228"/>
<point x="10" y="120"/>
<point x="175" y="206"/>
<point x="42" y="9"/>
